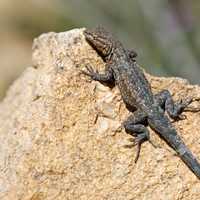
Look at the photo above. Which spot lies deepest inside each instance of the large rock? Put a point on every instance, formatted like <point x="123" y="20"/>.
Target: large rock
<point x="61" y="135"/>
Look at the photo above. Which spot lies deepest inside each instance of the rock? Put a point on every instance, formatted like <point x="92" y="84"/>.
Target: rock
<point x="61" y="134"/>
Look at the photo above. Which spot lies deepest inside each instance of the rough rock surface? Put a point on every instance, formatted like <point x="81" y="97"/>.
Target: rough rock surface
<point x="61" y="135"/>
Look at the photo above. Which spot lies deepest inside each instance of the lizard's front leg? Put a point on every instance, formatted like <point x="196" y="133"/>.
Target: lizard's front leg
<point x="174" y="109"/>
<point x="106" y="77"/>
<point x="134" y="125"/>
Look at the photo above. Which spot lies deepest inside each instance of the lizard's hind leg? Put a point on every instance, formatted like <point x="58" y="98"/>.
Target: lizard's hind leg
<point x="174" y="109"/>
<point x="134" y="125"/>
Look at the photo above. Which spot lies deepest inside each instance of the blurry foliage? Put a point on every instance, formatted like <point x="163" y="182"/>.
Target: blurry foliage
<point x="165" y="33"/>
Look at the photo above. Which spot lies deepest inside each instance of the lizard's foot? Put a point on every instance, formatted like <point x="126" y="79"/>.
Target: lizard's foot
<point x="190" y="109"/>
<point x="182" y="106"/>
<point x="179" y="108"/>
<point x="106" y="77"/>
<point x="138" y="141"/>
<point x="91" y="72"/>
<point x="141" y="134"/>
<point x="134" y="125"/>
<point x="174" y="109"/>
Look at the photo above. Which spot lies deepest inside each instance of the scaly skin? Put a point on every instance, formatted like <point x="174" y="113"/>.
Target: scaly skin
<point x="146" y="108"/>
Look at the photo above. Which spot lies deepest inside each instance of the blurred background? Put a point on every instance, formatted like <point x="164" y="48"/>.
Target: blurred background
<point x="165" y="33"/>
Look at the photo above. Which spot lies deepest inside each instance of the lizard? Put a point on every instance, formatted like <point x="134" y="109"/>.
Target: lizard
<point x="146" y="108"/>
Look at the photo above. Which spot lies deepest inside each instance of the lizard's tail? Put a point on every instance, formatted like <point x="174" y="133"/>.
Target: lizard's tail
<point x="188" y="158"/>
<point x="166" y="131"/>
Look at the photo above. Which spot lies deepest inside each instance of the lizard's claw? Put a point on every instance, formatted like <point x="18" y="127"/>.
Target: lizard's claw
<point x="190" y="109"/>
<point x="182" y="104"/>
<point x="186" y="102"/>
<point x="137" y="141"/>
<point x="179" y="117"/>
<point x="138" y="152"/>
<point x="134" y="142"/>
<point x="90" y="72"/>
<point x="180" y="107"/>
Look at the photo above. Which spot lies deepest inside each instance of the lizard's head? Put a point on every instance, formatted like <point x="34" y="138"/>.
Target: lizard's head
<point x="100" y="40"/>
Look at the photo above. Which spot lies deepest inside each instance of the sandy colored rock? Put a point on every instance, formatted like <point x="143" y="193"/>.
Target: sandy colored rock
<point x="61" y="134"/>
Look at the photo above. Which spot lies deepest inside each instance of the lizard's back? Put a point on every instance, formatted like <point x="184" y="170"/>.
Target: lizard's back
<point x="134" y="87"/>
